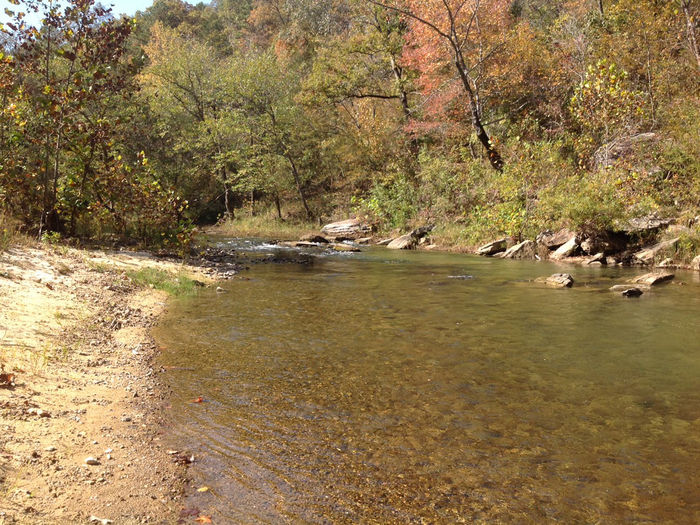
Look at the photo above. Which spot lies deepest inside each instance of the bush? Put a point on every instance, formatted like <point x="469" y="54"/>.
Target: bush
<point x="392" y="204"/>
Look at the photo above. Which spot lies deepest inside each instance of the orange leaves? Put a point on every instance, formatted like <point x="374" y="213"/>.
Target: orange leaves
<point x="199" y="399"/>
<point x="203" y="519"/>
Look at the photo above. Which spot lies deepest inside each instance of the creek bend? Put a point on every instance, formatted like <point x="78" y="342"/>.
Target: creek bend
<point x="376" y="387"/>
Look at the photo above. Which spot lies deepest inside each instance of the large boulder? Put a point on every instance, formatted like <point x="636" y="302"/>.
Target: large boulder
<point x="524" y="250"/>
<point x="405" y="242"/>
<point x="350" y="228"/>
<point x="647" y="255"/>
<point x="410" y="240"/>
<point x="553" y="240"/>
<point x="493" y="247"/>
<point x="653" y="278"/>
<point x="567" y="249"/>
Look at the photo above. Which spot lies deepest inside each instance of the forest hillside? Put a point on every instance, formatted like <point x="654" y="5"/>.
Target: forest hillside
<point x="484" y="117"/>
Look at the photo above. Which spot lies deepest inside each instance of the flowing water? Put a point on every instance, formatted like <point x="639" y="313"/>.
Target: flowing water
<point x="379" y="388"/>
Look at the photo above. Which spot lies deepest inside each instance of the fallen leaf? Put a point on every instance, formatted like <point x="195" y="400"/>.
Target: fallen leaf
<point x="203" y="489"/>
<point x="200" y="399"/>
<point x="204" y="519"/>
<point x="7" y="379"/>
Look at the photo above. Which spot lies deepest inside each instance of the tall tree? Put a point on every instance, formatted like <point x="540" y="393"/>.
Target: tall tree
<point x="461" y="31"/>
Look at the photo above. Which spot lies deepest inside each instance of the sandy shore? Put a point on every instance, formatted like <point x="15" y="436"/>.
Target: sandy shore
<point x="74" y="333"/>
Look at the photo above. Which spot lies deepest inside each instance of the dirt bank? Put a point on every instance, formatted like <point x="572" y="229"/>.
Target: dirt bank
<point x="74" y="333"/>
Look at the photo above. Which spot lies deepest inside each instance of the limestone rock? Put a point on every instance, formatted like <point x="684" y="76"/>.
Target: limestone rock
<point x="666" y="263"/>
<point x="339" y="247"/>
<point x="524" y="250"/>
<point x="566" y="250"/>
<point x="493" y="248"/>
<point x="553" y="240"/>
<point x="598" y="258"/>
<point x="350" y="228"/>
<point x="405" y="242"/>
<point x="695" y="264"/>
<point x="647" y="255"/>
<point x="558" y="280"/>
<point x="649" y="223"/>
<point x="653" y="278"/>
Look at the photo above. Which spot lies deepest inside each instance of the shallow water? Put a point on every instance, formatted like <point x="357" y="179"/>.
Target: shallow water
<point x="377" y="388"/>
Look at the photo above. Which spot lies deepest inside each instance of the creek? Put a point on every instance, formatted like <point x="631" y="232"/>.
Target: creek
<point x="401" y="387"/>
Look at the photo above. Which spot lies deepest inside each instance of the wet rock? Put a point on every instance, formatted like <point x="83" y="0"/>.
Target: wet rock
<point x="339" y="247"/>
<point x="622" y="288"/>
<point x="553" y="240"/>
<point x="219" y="289"/>
<point x="598" y="258"/>
<point x="524" y="250"/>
<point x="461" y="277"/>
<point x="364" y="240"/>
<point x="566" y="250"/>
<point x="647" y="255"/>
<point x="611" y="261"/>
<point x="667" y="263"/>
<point x="350" y="228"/>
<point x="405" y="242"/>
<point x="653" y="279"/>
<point x="632" y="292"/>
<point x="493" y="248"/>
<point x="312" y="237"/>
<point x="558" y="280"/>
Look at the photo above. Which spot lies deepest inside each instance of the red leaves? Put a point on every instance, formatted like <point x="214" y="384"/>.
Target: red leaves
<point x="200" y="399"/>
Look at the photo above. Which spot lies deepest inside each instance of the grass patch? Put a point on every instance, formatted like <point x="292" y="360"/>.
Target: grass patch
<point x="265" y="226"/>
<point x="178" y="285"/>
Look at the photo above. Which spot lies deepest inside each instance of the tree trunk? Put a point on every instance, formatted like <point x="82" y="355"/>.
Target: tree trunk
<point x="494" y="157"/>
<point x="406" y="108"/>
<point x="278" y="205"/>
<point x="297" y="180"/>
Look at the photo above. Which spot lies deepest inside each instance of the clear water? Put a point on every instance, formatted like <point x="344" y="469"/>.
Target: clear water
<point x="375" y="388"/>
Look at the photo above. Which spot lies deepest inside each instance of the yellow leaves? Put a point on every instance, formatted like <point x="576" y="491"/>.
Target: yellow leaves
<point x="203" y="489"/>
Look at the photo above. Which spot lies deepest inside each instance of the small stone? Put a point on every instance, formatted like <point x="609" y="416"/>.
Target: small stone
<point x="91" y="461"/>
<point x="560" y="280"/>
<point x="632" y="292"/>
<point x="219" y="289"/>
<point x="50" y="449"/>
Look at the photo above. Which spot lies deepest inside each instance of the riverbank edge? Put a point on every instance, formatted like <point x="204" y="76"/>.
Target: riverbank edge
<point x="83" y="412"/>
<point x="431" y="239"/>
